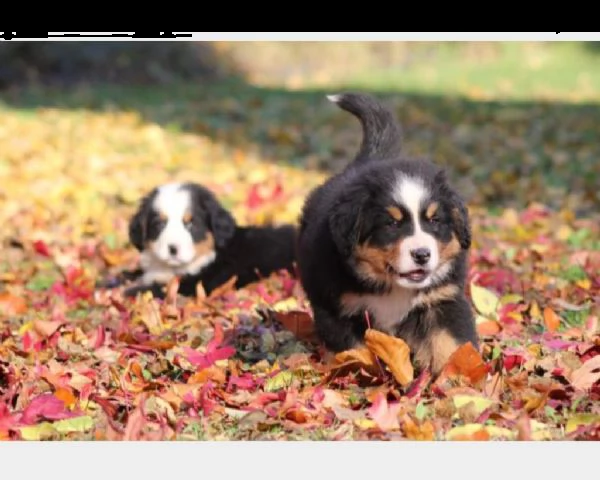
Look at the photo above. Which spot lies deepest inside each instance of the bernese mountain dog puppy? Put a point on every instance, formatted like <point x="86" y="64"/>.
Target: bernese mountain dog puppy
<point x="182" y="230"/>
<point x="388" y="236"/>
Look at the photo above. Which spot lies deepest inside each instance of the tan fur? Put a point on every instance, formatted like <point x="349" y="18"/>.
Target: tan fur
<point x="431" y="209"/>
<point x="187" y="218"/>
<point x="205" y="246"/>
<point x="435" y="351"/>
<point x="443" y="345"/>
<point x="395" y="212"/>
<point x="371" y="262"/>
<point x="433" y="297"/>
<point x="450" y="250"/>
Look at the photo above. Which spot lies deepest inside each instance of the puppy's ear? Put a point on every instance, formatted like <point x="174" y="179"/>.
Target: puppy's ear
<point x="138" y="225"/>
<point x="345" y="223"/>
<point x="461" y="223"/>
<point x="221" y="222"/>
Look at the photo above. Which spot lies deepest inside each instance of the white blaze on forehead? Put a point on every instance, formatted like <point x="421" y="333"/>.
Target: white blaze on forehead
<point x="172" y="201"/>
<point x="413" y="194"/>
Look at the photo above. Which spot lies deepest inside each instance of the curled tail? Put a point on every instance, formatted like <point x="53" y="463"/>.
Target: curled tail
<point x="382" y="134"/>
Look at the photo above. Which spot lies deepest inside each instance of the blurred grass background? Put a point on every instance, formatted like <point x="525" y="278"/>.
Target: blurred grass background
<point x="98" y="123"/>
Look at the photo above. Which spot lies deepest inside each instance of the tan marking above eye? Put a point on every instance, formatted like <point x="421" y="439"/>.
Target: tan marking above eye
<point x="187" y="218"/>
<point x="163" y="216"/>
<point x="395" y="212"/>
<point x="431" y="210"/>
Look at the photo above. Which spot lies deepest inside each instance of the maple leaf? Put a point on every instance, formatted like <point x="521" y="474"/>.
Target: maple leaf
<point x="394" y="352"/>
<point x="45" y="406"/>
<point x="385" y="414"/>
<point x="214" y="351"/>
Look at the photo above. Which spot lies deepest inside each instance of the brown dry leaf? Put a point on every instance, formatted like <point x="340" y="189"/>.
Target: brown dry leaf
<point x="363" y="355"/>
<point x="11" y="305"/>
<point x="466" y="361"/>
<point x="424" y="431"/>
<point x="298" y="322"/>
<point x="394" y="352"/>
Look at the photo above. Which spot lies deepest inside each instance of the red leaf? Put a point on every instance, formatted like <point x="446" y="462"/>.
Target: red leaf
<point x="40" y="247"/>
<point x="45" y="406"/>
<point x="213" y="351"/>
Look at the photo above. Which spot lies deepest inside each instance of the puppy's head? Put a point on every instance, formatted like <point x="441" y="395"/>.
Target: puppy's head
<point x="401" y="226"/>
<point x="181" y="224"/>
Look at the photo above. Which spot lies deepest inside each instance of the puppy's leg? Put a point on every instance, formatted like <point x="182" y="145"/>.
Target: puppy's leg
<point x="338" y="333"/>
<point x="452" y="325"/>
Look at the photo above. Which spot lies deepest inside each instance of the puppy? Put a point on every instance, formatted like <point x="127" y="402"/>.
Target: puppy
<point x="390" y="237"/>
<point x="182" y="230"/>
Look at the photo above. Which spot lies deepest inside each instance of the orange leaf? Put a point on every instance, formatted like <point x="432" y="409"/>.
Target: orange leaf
<point x="466" y="361"/>
<point x="66" y="396"/>
<point x="358" y="355"/>
<point x="222" y="289"/>
<point x="424" y="431"/>
<point x="11" y="304"/>
<point x="394" y="352"/>
<point x="551" y="319"/>
<point x="298" y="322"/>
<point x="490" y="327"/>
<point x="213" y="373"/>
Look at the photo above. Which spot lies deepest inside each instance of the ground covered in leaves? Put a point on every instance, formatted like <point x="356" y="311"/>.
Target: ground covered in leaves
<point x="80" y="362"/>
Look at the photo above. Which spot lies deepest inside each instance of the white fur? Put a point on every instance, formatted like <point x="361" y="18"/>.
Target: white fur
<point x="156" y="261"/>
<point x="334" y="98"/>
<point x="412" y="193"/>
<point x="388" y="310"/>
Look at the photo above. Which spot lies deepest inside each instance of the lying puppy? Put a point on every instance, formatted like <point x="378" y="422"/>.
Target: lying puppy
<point x="182" y="230"/>
<point x="389" y="236"/>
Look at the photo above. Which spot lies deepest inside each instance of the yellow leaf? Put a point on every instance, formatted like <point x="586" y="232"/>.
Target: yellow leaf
<point x="535" y="311"/>
<point x="479" y="403"/>
<point x="470" y="429"/>
<point x="394" y="352"/>
<point x="485" y="301"/>
<point x="581" y="419"/>
<point x="365" y="423"/>
<point x="586" y="283"/>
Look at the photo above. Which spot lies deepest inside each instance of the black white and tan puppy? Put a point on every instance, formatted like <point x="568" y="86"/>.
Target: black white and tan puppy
<point x="182" y="230"/>
<point x="387" y="236"/>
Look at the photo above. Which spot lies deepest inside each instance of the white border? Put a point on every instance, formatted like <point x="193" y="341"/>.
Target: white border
<point x="374" y="460"/>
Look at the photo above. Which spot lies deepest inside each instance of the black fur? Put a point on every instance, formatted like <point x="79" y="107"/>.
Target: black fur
<point x="347" y="210"/>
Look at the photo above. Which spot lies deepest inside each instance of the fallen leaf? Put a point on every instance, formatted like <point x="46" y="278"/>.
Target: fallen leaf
<point x="486" y="302"/>
<point x="551" y="319"/>
<point x="467" y="362"/>
<point x="278" y="382"/>
<point x="394" y="352"/>
<point x="587" y="375"/>
<point x="298" y="322"/>
<point x="11" y="305"/>
<point x="384" y="414"/>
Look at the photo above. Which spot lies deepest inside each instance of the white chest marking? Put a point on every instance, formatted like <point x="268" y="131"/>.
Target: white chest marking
<point x="387" y="311"/>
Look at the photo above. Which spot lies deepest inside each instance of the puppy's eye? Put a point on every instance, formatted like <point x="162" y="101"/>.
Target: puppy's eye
<point x="188" y="222"/>
<point x="434" y="220"/>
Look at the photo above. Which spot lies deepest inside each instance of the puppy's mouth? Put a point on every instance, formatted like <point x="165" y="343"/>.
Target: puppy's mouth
<point x="416" y="276"/>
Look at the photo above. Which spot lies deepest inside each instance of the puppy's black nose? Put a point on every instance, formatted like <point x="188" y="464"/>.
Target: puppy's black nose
<point x="172" y="249"/>
<point x="420" y="255"/>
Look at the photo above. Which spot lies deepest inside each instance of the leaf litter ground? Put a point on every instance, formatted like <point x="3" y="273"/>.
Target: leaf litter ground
<point x="79" y="362"/>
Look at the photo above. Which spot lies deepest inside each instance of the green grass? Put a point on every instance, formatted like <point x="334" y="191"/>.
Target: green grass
<point x="513" y="71"/>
